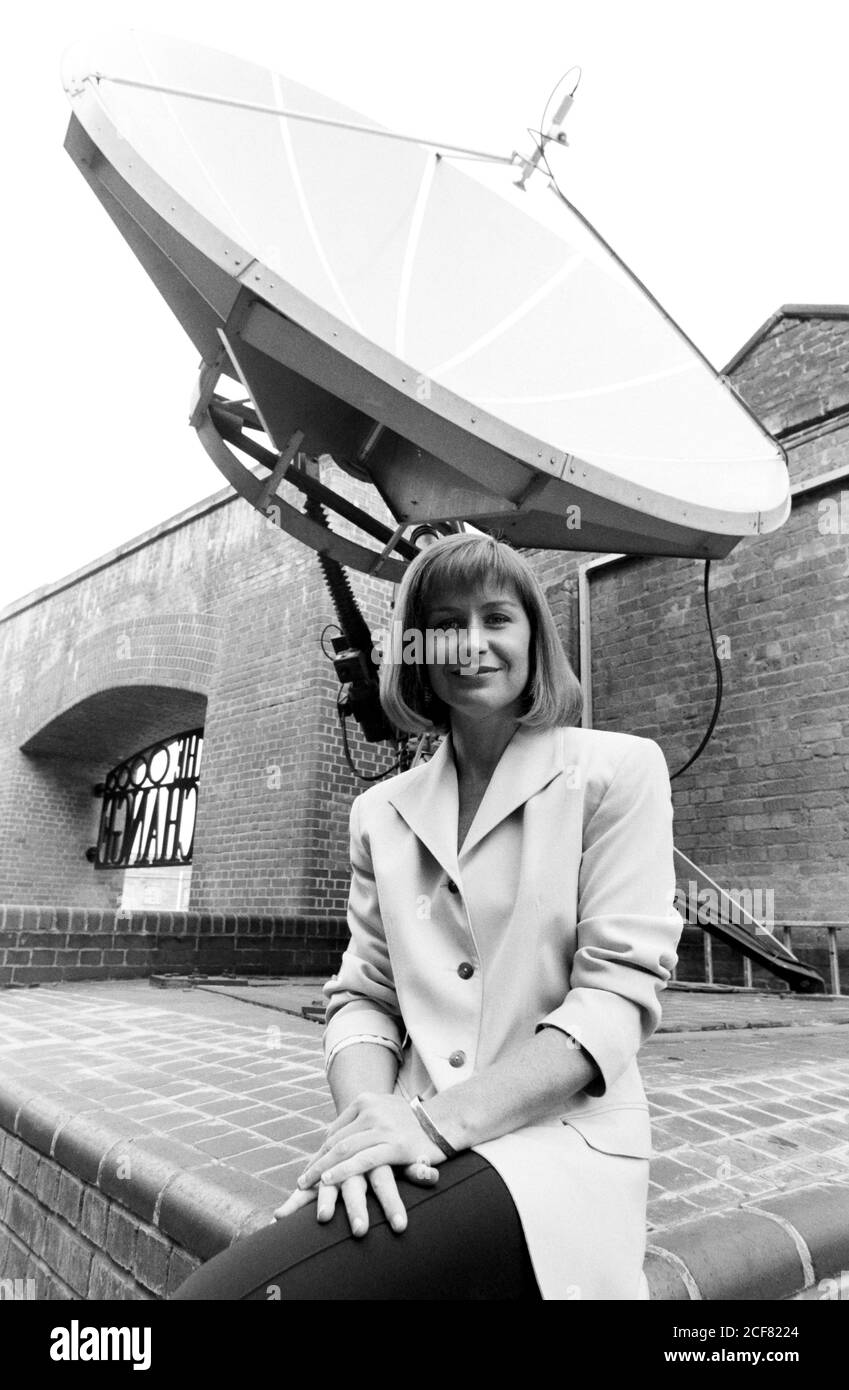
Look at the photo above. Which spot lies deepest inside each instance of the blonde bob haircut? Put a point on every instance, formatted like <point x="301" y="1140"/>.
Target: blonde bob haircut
<point x="470" y="563"/>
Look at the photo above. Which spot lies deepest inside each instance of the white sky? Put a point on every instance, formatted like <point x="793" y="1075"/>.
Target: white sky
<point x="707" y="145"/>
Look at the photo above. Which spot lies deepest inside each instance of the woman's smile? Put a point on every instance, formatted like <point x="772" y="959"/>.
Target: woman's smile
<point x="474" y="672"/>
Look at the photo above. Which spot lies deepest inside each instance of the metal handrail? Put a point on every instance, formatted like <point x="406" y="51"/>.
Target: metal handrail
<point x="786" y="929"/>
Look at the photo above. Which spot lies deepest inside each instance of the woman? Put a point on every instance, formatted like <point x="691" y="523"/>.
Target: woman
<point x="512" y="924"/>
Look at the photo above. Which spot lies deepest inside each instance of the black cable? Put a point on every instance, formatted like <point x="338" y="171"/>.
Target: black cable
<point x="330" y="655"/>
<point x="718" y="668"/>
<point x="362" y="776"/>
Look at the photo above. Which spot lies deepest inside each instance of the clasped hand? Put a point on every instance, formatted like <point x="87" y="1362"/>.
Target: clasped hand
<point x="374" y="1134"/>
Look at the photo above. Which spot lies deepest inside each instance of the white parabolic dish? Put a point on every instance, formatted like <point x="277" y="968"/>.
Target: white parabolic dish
<point x="518" y="368"/>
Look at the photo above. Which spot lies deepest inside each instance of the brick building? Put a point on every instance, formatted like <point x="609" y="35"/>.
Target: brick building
<point x="213" y="620"/>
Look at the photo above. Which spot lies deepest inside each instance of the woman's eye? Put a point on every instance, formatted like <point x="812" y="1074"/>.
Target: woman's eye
<point x="498" y="618"/>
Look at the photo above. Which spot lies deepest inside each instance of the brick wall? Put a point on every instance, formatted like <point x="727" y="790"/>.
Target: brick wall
<point x="42" y="944"/>
<point x="212" y="619"/>
<point x="766" y="804"/>
<point x="798" y="371"/>
<point x="73" y="1242"/>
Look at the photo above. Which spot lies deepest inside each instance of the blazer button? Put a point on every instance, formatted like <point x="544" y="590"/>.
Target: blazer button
<point x="465" y="970"/>
<point x="457" y="1059"/>
<point x="452" y="887"/>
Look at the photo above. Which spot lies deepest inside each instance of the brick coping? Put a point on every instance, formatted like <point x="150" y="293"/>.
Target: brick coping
<point x="775" y="1248"/>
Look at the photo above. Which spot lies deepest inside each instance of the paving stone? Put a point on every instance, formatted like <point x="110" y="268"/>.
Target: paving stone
<point x="752" y="1116"/>
<point x="176" y="1119"/>
<point x="831" y="1124"/>
<point x="778" y="1145"/>
<point x="200" y="1129"/>
<point x="673" y="1176"/>
<point x="290" y="1127"/>
<point x="773" y="1179"/>
<point x="701" y="1096"/>
<point x="250" y="1116"/>
<point x="725" y="1123"/>
<point x="265" y="1157"/>
<point x="782" y="1109"/>
<point x="717" y="1196"/>
<point x="667" y="1211"/>
<point x="228" y="1145"/>
<point x="308" y="1143"/>
<point x="285" y="1176"/>
<point x="734" y="1156"/>
<point x="306" y="1098"/>
<point x="324" y="1112"/>
<point x="822" y="1165"/>
<point x="810" y="1137"/>
<point x="811" y="1105"/>
<point x="685" y="1129"/>
<point x="703" y="1160"/>
<point x="223" y="1107"/>
<point x="661" y="1141"/>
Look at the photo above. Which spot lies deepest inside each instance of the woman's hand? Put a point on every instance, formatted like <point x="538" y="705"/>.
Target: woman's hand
<point x="376" y="1129"/>
<point x="353" y="1190"/>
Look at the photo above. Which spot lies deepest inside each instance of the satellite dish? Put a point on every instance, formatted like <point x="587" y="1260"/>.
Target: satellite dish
<point x="442" y="322"/>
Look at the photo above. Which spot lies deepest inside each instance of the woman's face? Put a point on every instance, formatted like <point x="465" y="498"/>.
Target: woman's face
<point x="485" y="669"/>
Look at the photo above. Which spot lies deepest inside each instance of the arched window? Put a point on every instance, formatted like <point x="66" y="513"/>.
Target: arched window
<point x="150" y="806"/>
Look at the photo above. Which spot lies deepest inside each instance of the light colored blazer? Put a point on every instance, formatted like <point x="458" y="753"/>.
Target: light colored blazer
<point x="560" y="901"/>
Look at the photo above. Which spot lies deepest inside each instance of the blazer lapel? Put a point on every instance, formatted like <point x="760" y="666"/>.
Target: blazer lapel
<point x="530" y="761"/>
<point x="430" y="805"/>
<point x="430" y="802"/>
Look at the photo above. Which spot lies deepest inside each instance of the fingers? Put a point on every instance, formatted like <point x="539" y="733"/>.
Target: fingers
<point x="295" y="1202"/>
<point x="327" y="1196"/>
<point x="344" y="1118"/>
<point x="353" y="1189"/>
<point x="383" y="1186"/>
<point x="421" y="1172"/>
<point x="354" y="1197"/>
<point x="354" y="1154"/>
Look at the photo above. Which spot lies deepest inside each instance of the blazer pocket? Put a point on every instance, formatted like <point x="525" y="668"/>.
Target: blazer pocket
<point x="621" y="1129"/>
